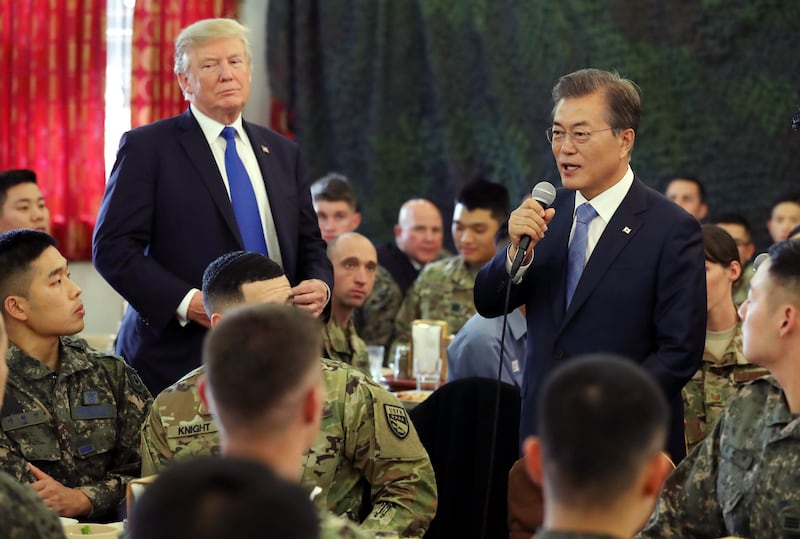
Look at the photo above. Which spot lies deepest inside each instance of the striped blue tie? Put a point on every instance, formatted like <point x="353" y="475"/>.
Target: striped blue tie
<point x="576" y="257"/>
<point x="243" y="198"/>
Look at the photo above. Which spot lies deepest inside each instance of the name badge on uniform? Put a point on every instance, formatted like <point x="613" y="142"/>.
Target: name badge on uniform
<point x="100" y="411"/>
<point x="192" y="429"/>
<point x="25" y="419"/>
<point x="514" y="365"/>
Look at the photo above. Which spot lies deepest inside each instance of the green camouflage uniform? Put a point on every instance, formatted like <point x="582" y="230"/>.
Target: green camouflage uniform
<point x="366" y="441"/>
<point x="705" y="395"/>
<point x="80" y="426"/>
<point x="343" y="344"/>
<point x="742" y="480"/>
<point x="23" y="514"/>
<point x="333" y="527"/>
<point x="374" y="321"/>
<point x="443" y="291"/>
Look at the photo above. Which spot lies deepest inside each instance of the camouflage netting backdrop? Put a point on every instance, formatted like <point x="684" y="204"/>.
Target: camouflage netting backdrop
<point x="417" y="97"/>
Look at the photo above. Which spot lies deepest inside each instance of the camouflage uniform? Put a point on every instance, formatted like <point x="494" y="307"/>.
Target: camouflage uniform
<point x="742" y="479"/>
<point x="705" y="395"/>
<point x="443" y="291"/>
<point x="333" y="527"/>
<point x="23" y="513"/>
<point x="374" y="321"/>
<point x="80" y="426"/>
<point x="366" y="441"/>
<point x="343" y="344"/>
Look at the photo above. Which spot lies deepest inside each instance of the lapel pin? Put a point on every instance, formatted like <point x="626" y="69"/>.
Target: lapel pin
<point x="626" y="230"/>
<point x="264" y="149"/>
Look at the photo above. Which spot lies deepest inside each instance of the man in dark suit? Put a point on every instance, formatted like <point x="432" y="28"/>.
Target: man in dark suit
<point x="184" y="191"/>
<point x="418" y="237"/>
<point x="627" y="276"/>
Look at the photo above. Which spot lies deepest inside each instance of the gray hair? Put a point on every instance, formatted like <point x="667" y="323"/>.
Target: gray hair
<point x="205" y="31"/>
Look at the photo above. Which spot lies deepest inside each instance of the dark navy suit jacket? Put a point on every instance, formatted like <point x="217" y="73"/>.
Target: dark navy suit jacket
<point x="642" y="295"/>
<point x="166" y="215"/>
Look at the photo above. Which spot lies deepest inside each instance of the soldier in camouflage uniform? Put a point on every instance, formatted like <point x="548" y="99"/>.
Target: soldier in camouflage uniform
<point x="22" y="512"/>
<point x="724" y="366"/>
<point x="600" y="466"/>
<point x="354" y="263"/>
<point x="374" y="320"/>
<point x="366" y="445"/>
<point x="72" y="416"/>
<point x="444" y="289"/>
<point x="742" y="479"/>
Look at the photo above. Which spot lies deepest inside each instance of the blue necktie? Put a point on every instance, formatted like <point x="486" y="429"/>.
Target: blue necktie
<point x="243" y="198"/>
<point x="576" y="257"/>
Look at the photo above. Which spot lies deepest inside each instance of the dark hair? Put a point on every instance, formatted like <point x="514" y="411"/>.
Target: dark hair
<point x="334" y="188"/>
<point x="701" y="189"/>
<point x="254" y="358"/>
<point x="784" y="265"/>
<point x="786" y="197"/>
<point x="622" y="95"/>
<point x="210" y="497"/>
<point x="19" y="248"/>
<point x="600" y="418"/>
<point x="224" y="277"/>
<point x="719" y="246"/>
<point x="485" y="195"/>
<point x="735" y="219"/>
<point x="10" y="178"/>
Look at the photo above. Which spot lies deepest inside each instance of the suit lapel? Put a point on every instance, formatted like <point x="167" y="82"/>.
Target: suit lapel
<point x="196" y="147"/>
<point x="624" y="225"/>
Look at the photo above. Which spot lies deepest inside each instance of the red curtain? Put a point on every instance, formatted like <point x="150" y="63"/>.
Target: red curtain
<point x="52" y="107"/>
<point x="156" y="23"/>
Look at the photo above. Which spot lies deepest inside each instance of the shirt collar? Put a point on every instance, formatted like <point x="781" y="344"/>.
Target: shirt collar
<point x="607" y="202"/>
<point x="212" y="128"/>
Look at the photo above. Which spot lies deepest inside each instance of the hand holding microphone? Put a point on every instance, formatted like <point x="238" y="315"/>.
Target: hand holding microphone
<point x="528" y="223"/>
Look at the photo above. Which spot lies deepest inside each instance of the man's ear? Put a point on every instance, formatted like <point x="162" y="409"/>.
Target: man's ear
<point x="397" y="231"/>
<point x="790" y="320"/>
<point x="215" y="318"/>
<point x="532" y="448"/>
<point x="15" y="307"/>
<point x="356" y="220"/>
<point x="657" y="470"/>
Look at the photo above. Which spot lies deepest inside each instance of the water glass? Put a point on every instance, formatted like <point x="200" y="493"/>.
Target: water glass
<point x="376" y="361"/>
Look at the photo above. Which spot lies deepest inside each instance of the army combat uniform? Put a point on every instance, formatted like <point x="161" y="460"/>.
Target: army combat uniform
<point x="366" y="441"/>
<point x="374" y="320"/>
<point x="343" y="344"/>
<point x="742" y="480"/>
<point x="705" y="395"/>
<point x="443" y="291"/>
<point x="23" y="514"/>
<point x="80" y="425"/>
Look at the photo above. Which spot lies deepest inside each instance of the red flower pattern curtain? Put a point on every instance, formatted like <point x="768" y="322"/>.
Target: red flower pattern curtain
<point x="156" y="23"/>
<point x="52" y="107"/>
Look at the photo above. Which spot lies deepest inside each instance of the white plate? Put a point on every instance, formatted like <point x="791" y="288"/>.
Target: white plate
<point x="413" y="395"/>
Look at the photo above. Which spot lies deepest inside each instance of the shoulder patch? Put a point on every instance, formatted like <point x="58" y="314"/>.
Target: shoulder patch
<point x="398" y="420"/>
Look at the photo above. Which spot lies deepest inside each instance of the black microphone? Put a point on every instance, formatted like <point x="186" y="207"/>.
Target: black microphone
<point x="545" y="194"/>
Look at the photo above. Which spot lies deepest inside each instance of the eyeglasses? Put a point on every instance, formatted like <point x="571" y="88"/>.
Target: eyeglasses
<point x="556" y="135"/>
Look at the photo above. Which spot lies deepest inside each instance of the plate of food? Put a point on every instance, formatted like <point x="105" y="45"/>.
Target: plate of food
<point x="412" y="397"/>
<point x="98" y="531"/>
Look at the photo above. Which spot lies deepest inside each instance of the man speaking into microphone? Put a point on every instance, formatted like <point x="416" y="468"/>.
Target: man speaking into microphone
<point x="612" y="266"/>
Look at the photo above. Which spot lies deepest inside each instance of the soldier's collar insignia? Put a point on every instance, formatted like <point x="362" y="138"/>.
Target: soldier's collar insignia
<point x="398" y="420"/>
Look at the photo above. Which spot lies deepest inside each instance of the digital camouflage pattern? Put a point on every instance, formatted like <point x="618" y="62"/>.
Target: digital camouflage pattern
<point x="705" y="395"/>
<point x="443" y="291"/>
<point x="343" y="344"/>
<point x="80" y="426"/>
<point x="23" y="514"/>
<point x="366" y="441"/>
<point x="742" y="479"/>
<point x="374" y="321"/>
